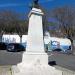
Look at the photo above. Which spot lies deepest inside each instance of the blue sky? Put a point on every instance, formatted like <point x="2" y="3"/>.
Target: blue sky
<point x="22" y="6"/>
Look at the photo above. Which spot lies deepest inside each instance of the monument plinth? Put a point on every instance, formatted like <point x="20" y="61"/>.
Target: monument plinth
<point x="35" y="45"/>
<point x="35" y="60"/>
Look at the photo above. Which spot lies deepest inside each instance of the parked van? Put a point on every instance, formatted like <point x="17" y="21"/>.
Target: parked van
<point x="57" y="44"/>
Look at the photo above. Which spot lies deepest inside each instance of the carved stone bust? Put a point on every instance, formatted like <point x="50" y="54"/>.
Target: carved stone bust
<point x="35" y="3"/>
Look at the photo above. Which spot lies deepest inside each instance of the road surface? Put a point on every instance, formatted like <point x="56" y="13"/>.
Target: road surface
<point x="63" y="60"/>
<point x="10" y="58"/>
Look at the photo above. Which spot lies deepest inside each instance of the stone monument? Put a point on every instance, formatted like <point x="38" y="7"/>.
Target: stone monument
<point x="35" y="60"/>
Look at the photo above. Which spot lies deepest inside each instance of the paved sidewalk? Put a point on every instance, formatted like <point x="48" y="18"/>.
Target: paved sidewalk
<point x="5" y="70"/>
<point x="65" y="71"/>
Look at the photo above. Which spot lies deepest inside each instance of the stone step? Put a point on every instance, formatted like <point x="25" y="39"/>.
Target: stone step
<point x="38" y="70"/>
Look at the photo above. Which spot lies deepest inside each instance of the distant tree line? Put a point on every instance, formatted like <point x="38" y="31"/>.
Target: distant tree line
<point x="66" y="18"/>
<point x="11" y="22"/>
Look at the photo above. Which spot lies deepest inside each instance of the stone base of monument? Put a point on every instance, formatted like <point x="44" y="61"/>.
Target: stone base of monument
<point x="35" y="64"/>
<point x="30" y="58"/>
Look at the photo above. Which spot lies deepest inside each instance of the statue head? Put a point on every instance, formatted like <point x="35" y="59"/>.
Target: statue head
<point x="35" y="3"/>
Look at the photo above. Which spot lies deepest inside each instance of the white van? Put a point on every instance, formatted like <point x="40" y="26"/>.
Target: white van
<point x="54" y="43"/>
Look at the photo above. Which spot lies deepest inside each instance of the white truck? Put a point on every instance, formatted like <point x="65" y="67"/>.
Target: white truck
<point x="57" y="44"/>
<point x="7" y="38"/>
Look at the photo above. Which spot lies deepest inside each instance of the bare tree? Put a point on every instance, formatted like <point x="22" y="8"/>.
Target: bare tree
<point x="66" y="18"/>
<point x="10" y="22"/>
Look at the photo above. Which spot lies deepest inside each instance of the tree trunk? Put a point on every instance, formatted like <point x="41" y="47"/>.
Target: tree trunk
<point x="73" y="48"/>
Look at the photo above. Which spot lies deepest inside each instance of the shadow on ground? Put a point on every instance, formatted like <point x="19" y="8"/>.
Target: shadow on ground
<point x="52" y="63"/>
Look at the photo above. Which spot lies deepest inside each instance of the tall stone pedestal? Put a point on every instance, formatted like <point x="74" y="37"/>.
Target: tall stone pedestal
<point x="35" y="60"/>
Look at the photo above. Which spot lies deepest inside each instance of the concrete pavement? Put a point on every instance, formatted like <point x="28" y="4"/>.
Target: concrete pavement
<point x="5" y="70"/>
